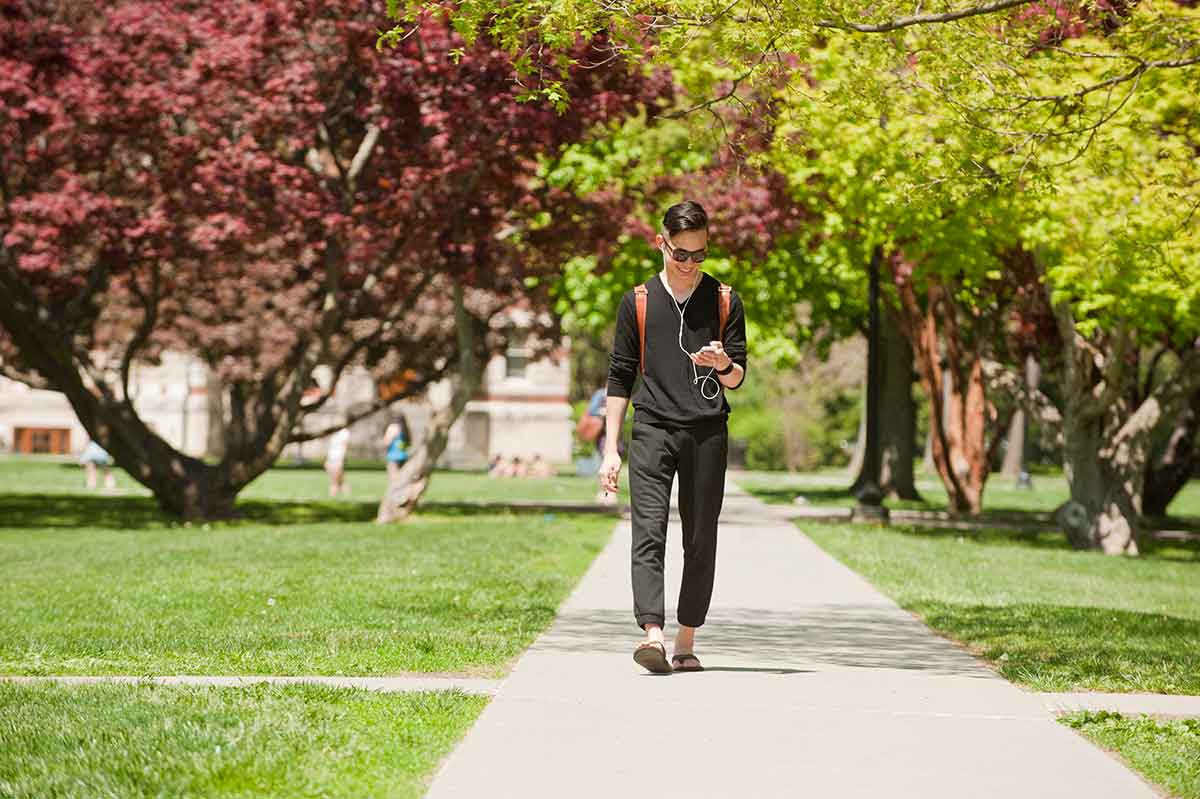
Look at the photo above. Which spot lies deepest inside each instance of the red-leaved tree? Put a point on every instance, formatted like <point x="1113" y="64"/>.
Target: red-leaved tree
<point x="254" y="183"/>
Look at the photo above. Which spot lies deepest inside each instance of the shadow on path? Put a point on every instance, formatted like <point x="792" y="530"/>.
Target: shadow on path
<point x="865" y="636"/>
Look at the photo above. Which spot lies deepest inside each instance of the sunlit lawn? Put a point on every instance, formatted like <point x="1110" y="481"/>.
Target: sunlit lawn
<point x="187" y="742"/>
<point x="92" y="583"/>
<point x="95" y="584"/>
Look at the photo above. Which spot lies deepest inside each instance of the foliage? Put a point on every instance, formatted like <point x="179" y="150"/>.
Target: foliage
<point x="271" y="197"/>
<point x="1013" y="81"/>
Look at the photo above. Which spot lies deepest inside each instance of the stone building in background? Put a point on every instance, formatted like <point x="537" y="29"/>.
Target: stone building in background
<point x="522" y="410"/>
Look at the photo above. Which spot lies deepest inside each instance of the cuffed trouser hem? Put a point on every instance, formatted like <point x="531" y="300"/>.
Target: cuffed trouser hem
<point x="644" y="619"/>
<point x="686" y="623"/>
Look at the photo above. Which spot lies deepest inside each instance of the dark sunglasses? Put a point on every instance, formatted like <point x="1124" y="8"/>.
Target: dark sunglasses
<point x="682" y="255"/>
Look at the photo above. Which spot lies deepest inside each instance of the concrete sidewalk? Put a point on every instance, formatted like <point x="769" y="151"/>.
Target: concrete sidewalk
<point x="816" y="685"/>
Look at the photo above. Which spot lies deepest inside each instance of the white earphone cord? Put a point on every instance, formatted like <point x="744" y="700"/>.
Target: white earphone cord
<point x="696" y="378"/>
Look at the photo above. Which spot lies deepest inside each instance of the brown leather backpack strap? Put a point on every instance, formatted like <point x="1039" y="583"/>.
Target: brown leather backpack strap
<point x="726" y="298"/>
<point x="639" y="296"/>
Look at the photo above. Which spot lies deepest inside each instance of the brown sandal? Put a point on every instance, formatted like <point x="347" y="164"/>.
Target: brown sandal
<point x="682" y="657"/>
<point x="652" y="656"/>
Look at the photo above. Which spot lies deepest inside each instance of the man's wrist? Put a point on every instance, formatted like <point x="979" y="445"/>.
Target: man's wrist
<point x="728" y="368"/>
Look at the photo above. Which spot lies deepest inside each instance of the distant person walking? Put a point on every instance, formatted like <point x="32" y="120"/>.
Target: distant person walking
<point x="684" y="333"/>
<point x="335" y="462"/>
<point x="398" y="440"/>
<point x="594" y="416"/>
<point x="94" y="458"/>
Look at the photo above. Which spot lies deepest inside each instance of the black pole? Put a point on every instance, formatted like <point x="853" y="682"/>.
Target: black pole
<point x="870" y="497"/>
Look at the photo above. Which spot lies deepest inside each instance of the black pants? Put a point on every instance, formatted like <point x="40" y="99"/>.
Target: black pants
<point x="656" y="455"/>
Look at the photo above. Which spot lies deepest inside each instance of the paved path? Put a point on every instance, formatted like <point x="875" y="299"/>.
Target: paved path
<point x="817" y="685"/>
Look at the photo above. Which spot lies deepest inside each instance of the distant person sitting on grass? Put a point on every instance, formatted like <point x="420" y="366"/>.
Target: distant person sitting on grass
<point x="335" y="462"/>
<point x="93" y="459"/>
<point x="540" y="468"/>
<point x="398" y="440"/>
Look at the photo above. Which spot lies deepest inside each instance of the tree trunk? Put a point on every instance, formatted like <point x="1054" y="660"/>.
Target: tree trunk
<point x="1105" y="505"/>
<point x="898" y="429"/>
<point x="959" y="409"/>
<point x="1018" y="430"/>
<point x="202" y="494"/>
<point x="1170" y="472"/>
<point x="898" y="416"/>
<point x="1014" y="454"/>
<point x="859" y="456"/>
<point x="1105" y="441"/>
<point x="405" y="491"/>
<point x="215" y="394"/>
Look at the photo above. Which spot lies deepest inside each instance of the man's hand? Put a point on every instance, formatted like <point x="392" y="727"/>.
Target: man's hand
<point x="713" y="358"/>
<point x="610" y="472"/>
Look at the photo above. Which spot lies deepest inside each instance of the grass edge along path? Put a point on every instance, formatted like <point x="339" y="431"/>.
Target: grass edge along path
<point x="1165" y="751"/>
<point x="1045" y="616"/>
<point x="255" y="741"/>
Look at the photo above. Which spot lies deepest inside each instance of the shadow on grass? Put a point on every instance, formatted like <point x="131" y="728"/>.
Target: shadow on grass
<point x="66" y="511"/>
<point x="1150" y="548"/>
<point x="1061" y="646"/>
<point x="834" y="497"/>
<point x="50" y="511"/>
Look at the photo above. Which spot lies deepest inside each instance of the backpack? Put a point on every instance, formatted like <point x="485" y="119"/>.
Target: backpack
<point x="639" y="296"/>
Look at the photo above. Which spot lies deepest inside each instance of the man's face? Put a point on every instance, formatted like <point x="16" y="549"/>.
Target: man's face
<point x="689" y="240"/>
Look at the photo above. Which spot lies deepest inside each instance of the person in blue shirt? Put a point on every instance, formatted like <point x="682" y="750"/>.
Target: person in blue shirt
<point x="596" y="407"/>
<point x="398" y="440"/>
<point x="94" y="458"/>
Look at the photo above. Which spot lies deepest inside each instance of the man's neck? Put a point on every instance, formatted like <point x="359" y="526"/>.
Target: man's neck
<point x="680" y="285"/>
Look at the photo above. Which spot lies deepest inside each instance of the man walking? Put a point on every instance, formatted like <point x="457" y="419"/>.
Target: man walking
<point x="684" y="333"/>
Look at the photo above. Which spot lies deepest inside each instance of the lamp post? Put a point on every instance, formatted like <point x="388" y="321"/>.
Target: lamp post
<point x="870" y="497"/>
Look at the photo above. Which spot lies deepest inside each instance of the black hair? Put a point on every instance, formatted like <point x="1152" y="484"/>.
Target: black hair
<point x="687" y="215"/>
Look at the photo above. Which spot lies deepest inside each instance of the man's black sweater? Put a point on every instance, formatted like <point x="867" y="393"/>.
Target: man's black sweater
<point x="668" y="394"/>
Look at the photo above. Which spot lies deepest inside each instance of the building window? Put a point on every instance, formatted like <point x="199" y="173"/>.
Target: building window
<point x="516" y="358"/>
<point x="39" y="440"/>
<point x="515" y="362"/>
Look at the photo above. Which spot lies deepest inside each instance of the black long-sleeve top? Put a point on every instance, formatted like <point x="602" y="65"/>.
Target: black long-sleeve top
<point x="667" y="393"/>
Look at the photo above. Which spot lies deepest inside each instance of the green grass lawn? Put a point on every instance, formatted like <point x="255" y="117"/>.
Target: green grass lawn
<point x="298" y="584"/>
<point x="830" y="489"/>
<point x="1167" y="752"/>
<point x="199" y="742"/>
<point x="117" y="590"/>
<point x="1048" y="617"/>
<point x="308" y="483"/>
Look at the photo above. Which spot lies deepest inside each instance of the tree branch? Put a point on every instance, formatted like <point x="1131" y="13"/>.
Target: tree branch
<point x="707" y="104"/>
<point x="924" y="19"/>
<point x="1137" y="71"/>
<point x="142" y="335"/>
<point x="363" y="154"/>
<point x="1002" y="380"/>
